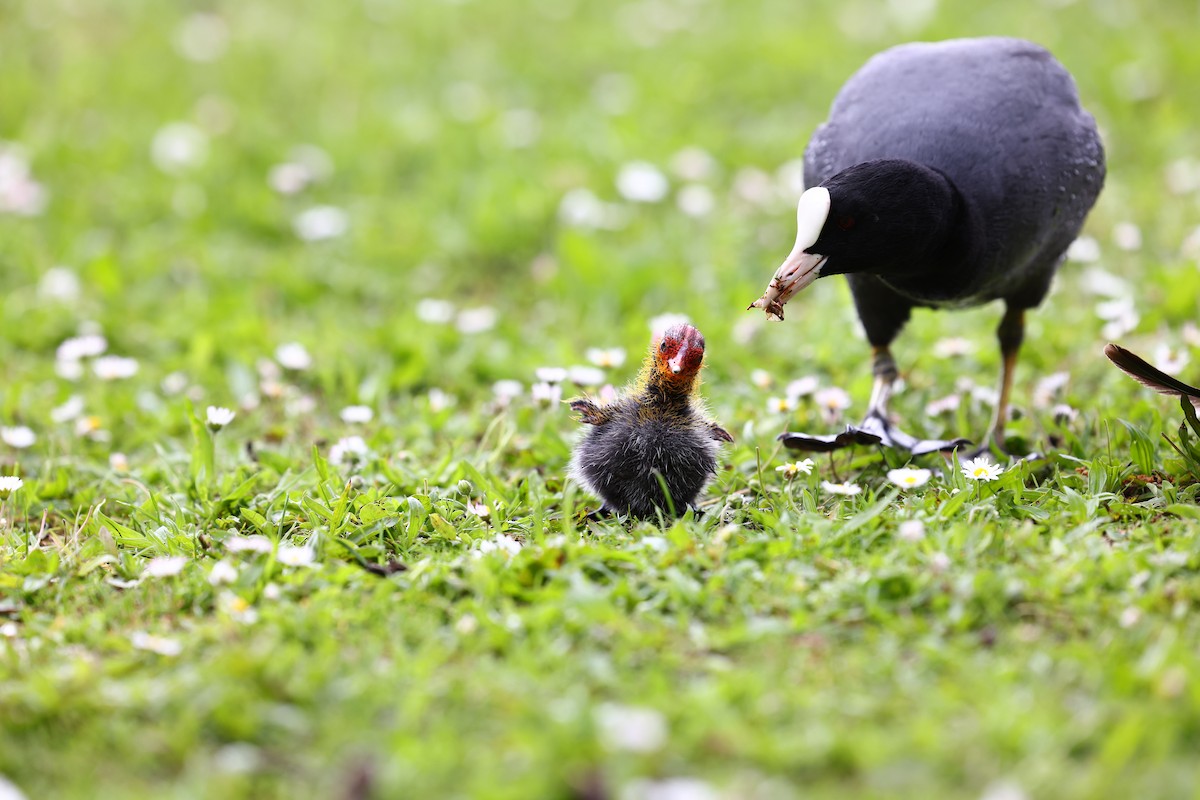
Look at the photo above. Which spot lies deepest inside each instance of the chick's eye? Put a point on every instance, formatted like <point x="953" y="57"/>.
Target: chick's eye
<point x="662" y="348"/>
<point x="846" y="223"/>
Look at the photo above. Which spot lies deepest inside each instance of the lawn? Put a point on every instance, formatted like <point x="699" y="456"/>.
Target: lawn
<point x="387" y="235"/>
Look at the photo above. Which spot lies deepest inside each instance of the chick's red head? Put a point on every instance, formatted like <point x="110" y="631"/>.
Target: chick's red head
<point x="680" y="351"/>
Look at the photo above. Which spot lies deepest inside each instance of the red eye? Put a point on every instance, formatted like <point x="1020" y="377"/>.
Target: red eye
<point x="846" y="223"/>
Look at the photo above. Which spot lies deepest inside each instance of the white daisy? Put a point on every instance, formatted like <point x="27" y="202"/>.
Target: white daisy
<point x="156" y="644"/>
<point x="178" y="147"/>
<point x="642" y="182"/>
<point x="794" y="468"/>
<point x="761" y="378"/>
<point x="981" y="469"/>
<point x="848" y="489"/>
<point x="505" y="390"/>
<point x="952" y="347"/>
<point x="113" y="368"/>
<point x="550" y="374"/>
<point x="630" y="728"/>
<point x="9" y="484"/>
<point x="321" y="223"/>
<point x="586" y="376"/>
<point x="546" y="394"/>
<point x="348" y="450"/>
<point x="18" y="436"/>
<point x="909" y="478"/>
<point x="606" y="357"/>
<point x="663" y="322"/>
<point x="434" y="311"/>
<point x="801" y="387"/>
<point x="76" y="348"/>
<point x="164" y="566"/>
<point x="780" y="405"/>
<point x="217" y="417"/>
<point x="293" y="356"/>
<point x="911" y="530"/>
<point x="255" y="543"/>
<point x="696" y="200"/>
<point x="501" y="544"/>
<point x="69" y="410"/>
<point x="292" y="556"/>
<point x="476" y="320"/>
<point x="222" y="572"/>
<point x="357" y="415"/>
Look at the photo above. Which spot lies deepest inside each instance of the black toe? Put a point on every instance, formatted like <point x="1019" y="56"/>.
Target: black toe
<point x="827" y="444"/>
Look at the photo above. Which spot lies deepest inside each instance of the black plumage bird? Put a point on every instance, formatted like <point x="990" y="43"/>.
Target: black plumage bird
<point x="655" y="435"/>
<point x="948" y="174"/>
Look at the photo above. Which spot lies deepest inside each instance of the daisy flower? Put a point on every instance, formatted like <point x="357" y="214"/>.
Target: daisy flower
<point x="832" y="401"/>
<point x="546" y="394"/>
<point x="760" y="378"/>
<point x="165" y="566"/>
<point x="18" y="437"/>
<point x="292" y="556"/>
<point x="9" y="484"/>
<point x="606" y="357"/>
<point x="795" y="468"/>
<point x="476" y="320"/>
<point x="909" y="478"/>
<point x="912" y="530"/>
<point x="434" y="311"/>
<point x="847" y="489"/>
<point x="780" y="405"/>
<point x="112" y="368"/>
<point x="294" y="356"/>
<point x="357" y="414"/>
<point x="802" y="387"/>
<point x="156" y="644"/>
<point x="349" y="449"/>
<point x="586" y="376"/>
<point x="217" y="417"/>
<point x="550" y="374"/>
<point x="981" y="469"/>
<point x="642" y="182"/>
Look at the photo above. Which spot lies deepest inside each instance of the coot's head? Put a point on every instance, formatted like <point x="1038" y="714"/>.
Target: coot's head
<point x="679" y="353"/>
<point x="882" y="217"/>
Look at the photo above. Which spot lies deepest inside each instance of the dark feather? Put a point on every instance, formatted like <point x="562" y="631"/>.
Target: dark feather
<point x="1141" y="371"/>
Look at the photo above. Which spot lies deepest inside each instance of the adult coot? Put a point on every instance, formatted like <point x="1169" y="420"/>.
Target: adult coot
<point x="949" y="174"/>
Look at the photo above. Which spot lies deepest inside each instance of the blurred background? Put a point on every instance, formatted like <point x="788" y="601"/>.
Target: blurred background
<point x="451" y="192"/>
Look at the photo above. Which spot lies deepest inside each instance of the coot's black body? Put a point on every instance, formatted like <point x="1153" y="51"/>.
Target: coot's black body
<point x="948" y="174"/>
<point x="1001" y="119"/>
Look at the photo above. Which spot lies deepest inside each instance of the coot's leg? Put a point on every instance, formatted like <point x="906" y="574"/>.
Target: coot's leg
<point x="875" y="427"/>
<point x="1010" y="335"/>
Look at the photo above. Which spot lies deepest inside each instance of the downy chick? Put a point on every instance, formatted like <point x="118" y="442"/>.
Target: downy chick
<point x="656" y="429"/>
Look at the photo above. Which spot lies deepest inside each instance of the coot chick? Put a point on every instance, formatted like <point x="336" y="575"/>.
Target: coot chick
<point x="656" y="429"/>
<point x="948" y="174"/>
<point x="1137" y="368"/>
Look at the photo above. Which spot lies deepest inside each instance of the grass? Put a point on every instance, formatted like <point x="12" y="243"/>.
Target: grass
<point x="1040" y="639"/>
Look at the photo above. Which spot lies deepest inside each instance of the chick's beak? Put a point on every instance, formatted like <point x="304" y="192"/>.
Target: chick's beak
<point x="675" y="363"/>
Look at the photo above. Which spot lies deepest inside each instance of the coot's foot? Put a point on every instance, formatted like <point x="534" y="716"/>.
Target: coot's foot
<point x="874" y="429"/>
